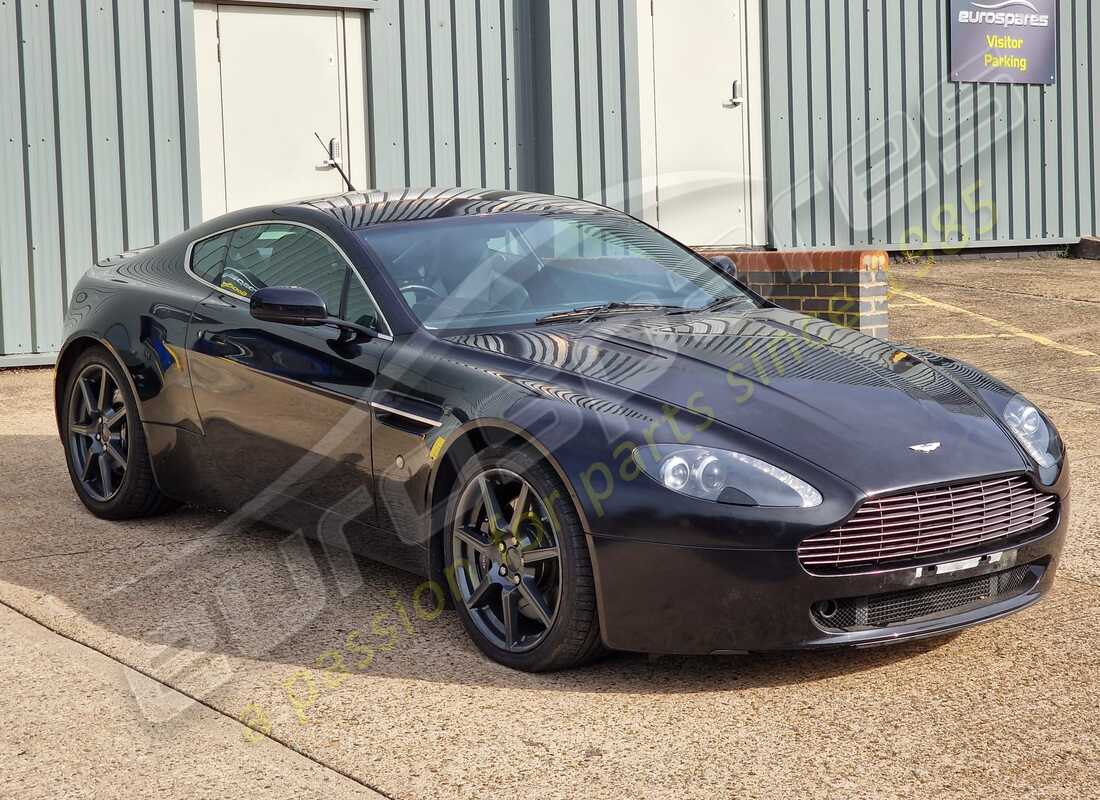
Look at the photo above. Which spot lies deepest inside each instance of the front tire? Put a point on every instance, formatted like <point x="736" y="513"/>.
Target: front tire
<point x="518" y="566"/>
<point x="105" y="447"/>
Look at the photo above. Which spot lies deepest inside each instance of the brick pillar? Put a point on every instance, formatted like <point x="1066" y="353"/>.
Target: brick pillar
<point x="844" y="287"/>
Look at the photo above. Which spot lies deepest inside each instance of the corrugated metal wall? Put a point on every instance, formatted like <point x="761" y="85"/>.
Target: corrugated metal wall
<point x="869" y="143"/>
<point x="587" y="100"/>
<point x="537" y="95"/>
<point x="96" y="153"/>
<point x="443" y="101"/>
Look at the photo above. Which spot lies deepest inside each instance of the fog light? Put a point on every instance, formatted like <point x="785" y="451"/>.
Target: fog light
<point x="826" y="609"/>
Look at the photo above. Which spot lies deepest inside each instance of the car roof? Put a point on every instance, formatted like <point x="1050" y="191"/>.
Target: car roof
<point x="359" y="210"/>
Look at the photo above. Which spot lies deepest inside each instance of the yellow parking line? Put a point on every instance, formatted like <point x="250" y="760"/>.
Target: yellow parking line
<point x="1004" y="326"/>
<point x="969" y="336"/>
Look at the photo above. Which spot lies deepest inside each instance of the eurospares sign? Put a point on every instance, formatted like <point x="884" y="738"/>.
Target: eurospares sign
<point x="1004" y="41"/>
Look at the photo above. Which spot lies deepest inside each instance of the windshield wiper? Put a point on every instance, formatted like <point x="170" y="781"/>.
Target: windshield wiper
<point x="713" y="305"/>
<point x="589" y="313"/>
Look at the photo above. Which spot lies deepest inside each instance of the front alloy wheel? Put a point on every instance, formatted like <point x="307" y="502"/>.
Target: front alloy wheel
<point x="507" y="560"/>
<point x="517" y="562"/>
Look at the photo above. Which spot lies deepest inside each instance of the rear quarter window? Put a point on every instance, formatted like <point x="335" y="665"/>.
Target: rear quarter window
<point x="208" y="258"/>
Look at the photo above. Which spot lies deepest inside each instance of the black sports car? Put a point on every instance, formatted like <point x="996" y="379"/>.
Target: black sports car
<point x="588" y="435"/>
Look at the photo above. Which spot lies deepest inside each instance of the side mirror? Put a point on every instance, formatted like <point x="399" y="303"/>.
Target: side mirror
<point x="725" y="263"/>
<point x="289" y="305"/>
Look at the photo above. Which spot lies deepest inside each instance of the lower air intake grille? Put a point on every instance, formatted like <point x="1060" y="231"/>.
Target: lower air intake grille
<point x="883" y="610"/>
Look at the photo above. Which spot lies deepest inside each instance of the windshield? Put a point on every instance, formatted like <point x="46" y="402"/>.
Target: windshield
<point x="516" y="269"/>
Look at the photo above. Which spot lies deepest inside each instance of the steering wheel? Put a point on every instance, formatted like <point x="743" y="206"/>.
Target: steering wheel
<point x="419" y="288"/>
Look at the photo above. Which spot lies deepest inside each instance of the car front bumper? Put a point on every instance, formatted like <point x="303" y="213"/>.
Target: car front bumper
<point x="662" y="598"/>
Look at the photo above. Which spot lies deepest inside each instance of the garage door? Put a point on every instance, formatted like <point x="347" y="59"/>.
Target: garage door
<point x="271" y="82"/>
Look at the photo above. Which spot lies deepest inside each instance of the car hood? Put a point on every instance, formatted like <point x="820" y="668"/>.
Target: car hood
<point x="852" y="404"/>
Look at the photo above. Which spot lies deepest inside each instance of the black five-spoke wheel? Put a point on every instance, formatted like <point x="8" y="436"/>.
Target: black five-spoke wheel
<point x="506" y="559"/>
<point x="99" y="441"/>
<point x="517" y="562"/>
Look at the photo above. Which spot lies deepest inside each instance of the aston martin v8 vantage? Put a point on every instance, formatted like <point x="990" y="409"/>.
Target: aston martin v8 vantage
<point x="586" y="435"/>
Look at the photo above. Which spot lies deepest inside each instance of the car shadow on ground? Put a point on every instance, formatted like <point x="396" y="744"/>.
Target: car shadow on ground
<point x="192" y="582"/>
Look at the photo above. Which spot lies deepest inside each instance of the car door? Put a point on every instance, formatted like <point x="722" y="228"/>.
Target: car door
<point x="285" y="409"/>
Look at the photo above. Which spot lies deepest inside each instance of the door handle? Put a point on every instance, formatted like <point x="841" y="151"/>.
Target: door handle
<point x="736" y="96"/>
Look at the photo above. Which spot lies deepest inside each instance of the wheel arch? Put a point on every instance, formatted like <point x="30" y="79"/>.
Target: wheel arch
<point x="463" y="443"/>
<point x="70" y="352"/>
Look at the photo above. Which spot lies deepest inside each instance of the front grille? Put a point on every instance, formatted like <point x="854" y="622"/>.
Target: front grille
<point x="931" y="522"/>
<point x="883" y="610"/>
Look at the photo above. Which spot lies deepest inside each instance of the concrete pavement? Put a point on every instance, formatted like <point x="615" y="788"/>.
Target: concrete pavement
<point x="70" y="728"/>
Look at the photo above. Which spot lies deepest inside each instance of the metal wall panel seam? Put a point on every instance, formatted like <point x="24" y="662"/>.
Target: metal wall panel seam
<point x="1000" y="158"/>
<point x="586" y="72"/>
<point x="71" y="114"/>
<point x="120" y="125"/>
<point x="188" y="112"/>
<point x="1081" y="89"/>
<point x="103" y="110"/>
<point x="832" y="74"/>
<point x="512" y="92"/>
<point x="155" y="176"/>
<point x="896" y="127"/>
<point x="630" y="103"/>
<point x="1068" y="159"/>
<point x="441" y="94"/>
<point x="17" y="309"/>
<point x="59" y="178"/>
<point x="466" y="69"/>
<point x="419" y="117"/>
<point x="911" y="93"/>
<point x="136" y="123"/>
<point x="929" y="71"/>
<point x="168" y="123"/>
<point x="817" y="110"/>
<point x="25" y="184"/>
<point x="1052" y="161"/>
<point x="490" y="90"/>
<point x="803" y="178"/>
<point x="1030" y="221"/>
<point x="43" y="193"/>
<point x="611" y="106"/>
<point x="985" y="150"/>
<point x="601" y="109"/>
<point x="858" y="143"/>
<point x="777" y="124"/>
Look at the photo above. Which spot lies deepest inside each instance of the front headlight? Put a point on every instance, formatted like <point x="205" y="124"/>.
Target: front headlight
<point x="1032" y="430"/>
<point x="724" y="476"/>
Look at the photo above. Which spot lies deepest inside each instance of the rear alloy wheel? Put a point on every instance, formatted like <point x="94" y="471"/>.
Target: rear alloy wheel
<point x="518" y="565"/>
<point x="99" y="439"/>
<point x="104" y="442"/>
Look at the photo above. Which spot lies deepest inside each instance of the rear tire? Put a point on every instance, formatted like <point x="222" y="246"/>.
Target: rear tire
<point x="105" y="448"/>
<point x="522" y="586"/>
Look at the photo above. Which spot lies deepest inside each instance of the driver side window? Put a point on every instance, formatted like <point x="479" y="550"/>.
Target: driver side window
<point x="244" y="260"/>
